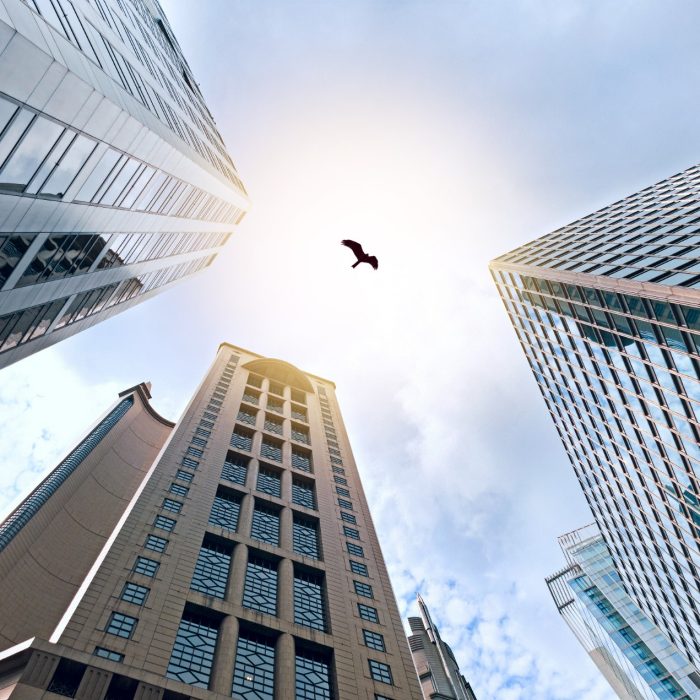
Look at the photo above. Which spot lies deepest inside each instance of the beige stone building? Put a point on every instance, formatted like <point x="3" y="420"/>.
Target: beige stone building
<point x="230" y="555"/>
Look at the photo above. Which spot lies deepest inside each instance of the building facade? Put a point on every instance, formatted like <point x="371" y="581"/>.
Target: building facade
<point x="437" y="668"/>
<point x="114" y="181"/>
<point x="607" y="311"/>
<point x="244" y="565"/>
<point x="629" y="649"/>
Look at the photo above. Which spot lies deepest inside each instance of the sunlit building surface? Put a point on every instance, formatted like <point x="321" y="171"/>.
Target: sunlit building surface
<point x="230" y="555"/>
<point x="629" y="649"/>
<point x="607" y="311"/>
<point x="114" y="181"/>
<point x="437" y="668"/>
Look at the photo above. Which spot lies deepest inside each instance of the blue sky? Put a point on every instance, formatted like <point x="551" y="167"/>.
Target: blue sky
<point x="441" y="134"/>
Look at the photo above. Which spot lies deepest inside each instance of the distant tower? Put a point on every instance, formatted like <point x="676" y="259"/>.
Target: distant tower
<point x="435" y="663"/>
<point x="114" y="181"/>
<point x="240" y="561"/>
<point x="631" y="652"/>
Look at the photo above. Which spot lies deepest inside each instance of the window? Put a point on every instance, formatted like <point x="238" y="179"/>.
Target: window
<point x="184" y="476"/>
<point x="172" y="506"/>
<point x="301" y="459"/>
<point x="108" y="654"/>
<point x="235" y="469"/>
<point x="67" y="677"/>
<point x="340" y="480"/>
<point x="202" y="431"/>
<point x="246" y="416"/>
<point x="254" y="672"/>
<point x="179" y="490"/>
<point x="164" y="523"/>
<point x="225" y="510"/>
<point x="348" y="517"/>
<point x="271" y="449"/>
<point x="299" y="413"/>
<point x="269" y="482"/>
<point x="374" y="640"/>
<point x="298" y="396"/>
<point x="121" y="688"/>
<point x="308" y="600"/>
<point x="355" y="549"/>
<point x="380" y="672"/>
<point x="338" y="470"/>
<point x="367" y="612"/>
<point x="155" y="543"/>
<point x="357" y="568"/>
<point x="242" y="439"/>
<point x="275" y="405"/>
<point x="211" y="570"/>
<point x="276" y="388"/>
<point x="251" y="397"/>
<point x="266" y="525"/>
<point x="190" y="463"/>
<point x="121" y="625"/>
<point x="345" y="504"/>
<point x="255" y="380"/>
<point x="206" y="423"/>
<point x="193" y="652"/>
<point x="300" y="434"/>
<point x="146" y="567"/>
<point x="209" y="416"/>
<point x="305" y="537"/>
<point x="195" y="452"/>
<point x="303" y="493"/>
<point x="342" y="491"/>
<point x="199" y="441"/>
<point x="313" y="675"/>
<point x="133" y="593"/>
<point x="333" y="451"/>
<point x="273" y="425"/>
<point x="260" y="590"/>
<point x="351" y="532"/>
<point x="363" y="589"/>
<point x="335" y="460"/>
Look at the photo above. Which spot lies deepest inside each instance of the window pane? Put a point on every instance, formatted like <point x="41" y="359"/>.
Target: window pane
<point x="211" y="571"/>
<point x="313" y="676"/>
<point x="266" y="525"/>
<point x="254" y="673"/>
<point x="193" y="652"/>
<point x="14" y="133"/>
<point x="225" y="511"/>
<point x="305" y="536"/>
<point x="98" y="175"/>
<point x="260" y="591"/>
<point x="308" y="601"/>
<point x="269" y="482"/>
<point x="50" y="163"/>
<point x="235" y="470"/>
<point x="68" y="168"/>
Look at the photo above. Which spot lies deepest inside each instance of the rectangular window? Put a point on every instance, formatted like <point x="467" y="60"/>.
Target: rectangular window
<point x="358" y="568"/>
<point x="351" y="532"/>
<point x="192" y="658"/>
<point x="275" y="405"/>
<point x="246" y="416"/>
<point x="303" y="493"/>
<point x="269" y="482"/>
<point x="367" y="612"/>
<point x="305" y="537"/>
<point x="273" y="425"/>
<point x="251" y="397"/>
<point x="155" y="543"/>
<point x="374" y="640"/>
<point x="194" y="452"/>
<point x="133" y="593"/>
<point x="340" y="480"/>
<point x="184" y="476"/>
<point x="260" y="590"/>
<point x="254" y="672"/>
<point x="121" y="625"/>
<point x="206" y="423"/>
<point x="380" y="672"/>
<point x="313" y="675"/>
<point x="348" y="517"/>
<point x="201" y="431"/>
<point x="108" y="654"/>
<point x="242" y="439"/>
<point x="276" y="388"/>
<point x="235" y="469"/>
<point x="308" y="600"/>
<point x="342" y="491"/>
<point x="225" y="510"/>
<point x="210" y="416"/>
<point x="190" y="463"/>
<point x="179" y="490"/>
<point x="335" y="460"/>
<point x="345" y="504"/>
<point x="301" y="460"/>
<point x="146" y="566"/>
<point x="163" y="523"/>
<point x="211" y="570"/>
<point x="300" y="434"/>
<point x="363" y="589"/>
<point x="266" y="525"/>
<point x="299" y="414"/>
<point x="271" y="449"/>
<point x="355" y="549"/>
<point x="199" y="441"/>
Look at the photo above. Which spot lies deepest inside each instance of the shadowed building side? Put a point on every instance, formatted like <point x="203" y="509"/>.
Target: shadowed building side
<point x="51" y="539"/>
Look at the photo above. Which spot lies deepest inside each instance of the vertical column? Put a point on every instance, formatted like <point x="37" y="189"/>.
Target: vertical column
<point x="245" y="517"/>
<point x="236" y="581"/>
<point x="284" y="667"/>
<point x="287" y="485"/>
<point x="286" y="540"/>
<point x="285" y="590"/>
<point x="222" y="672"/>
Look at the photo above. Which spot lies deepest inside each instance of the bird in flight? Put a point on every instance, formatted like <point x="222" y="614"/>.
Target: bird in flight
<point x="360" y="254"/>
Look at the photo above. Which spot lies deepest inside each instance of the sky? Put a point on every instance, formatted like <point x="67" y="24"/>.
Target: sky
<point x="441" y="134"/>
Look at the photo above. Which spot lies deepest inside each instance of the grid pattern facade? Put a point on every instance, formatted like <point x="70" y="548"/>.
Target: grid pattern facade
<point x="111" y="155"/>
<point x="608" y="315"/>
<point x="192" y="657"/>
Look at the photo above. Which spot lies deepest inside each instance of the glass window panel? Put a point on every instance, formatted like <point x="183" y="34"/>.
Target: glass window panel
<point x="64" y="174"/>
<point x="269" y="482"/>
<point x="119" y="183"/>
<point x="308" y="601"/>
<point x="254" y="672"/>
<point x="192" y="657"/>
<point x="305" y="537"/>
<point x="211" y="570"/>
<point x="98" y="175"/>
<point x="313" y="676"/>
<point x="14" y="133"/>
<point x="121" y="625"/>
<point x="260" y="589"/>
<point x="266" y="525"/>
<point x="225" y="511"/>
<point x="137" y="187"/>
<point x="50" y="163"/>
<point x="235" y="469"/>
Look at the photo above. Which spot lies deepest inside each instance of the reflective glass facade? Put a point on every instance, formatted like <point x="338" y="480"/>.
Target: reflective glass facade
<point x="114" y="179"/>
<point x="607" y="311"/>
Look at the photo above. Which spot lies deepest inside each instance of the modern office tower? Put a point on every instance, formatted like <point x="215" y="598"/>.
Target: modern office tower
<point x="245" y="563"/>
<point x="628" y="648"/>
<point x="607" y="311"/>
<point x="114" y="181"/>
<point x="435" y="663"/>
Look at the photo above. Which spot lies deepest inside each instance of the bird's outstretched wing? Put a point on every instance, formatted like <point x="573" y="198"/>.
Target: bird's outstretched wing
<point x="372" y="260"/>
<point x="355" y="247"/>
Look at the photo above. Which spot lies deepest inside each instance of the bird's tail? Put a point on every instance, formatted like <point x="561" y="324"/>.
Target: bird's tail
<point x="357" y="263"/>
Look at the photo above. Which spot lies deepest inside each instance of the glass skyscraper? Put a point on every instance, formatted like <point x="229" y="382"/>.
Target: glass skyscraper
<point x="628" y="648"/>
<point x="607" y="311"/>
<point x="114" y="180"/>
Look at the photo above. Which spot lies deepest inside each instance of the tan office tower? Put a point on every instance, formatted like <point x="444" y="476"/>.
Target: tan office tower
<point x="241" y="561"/>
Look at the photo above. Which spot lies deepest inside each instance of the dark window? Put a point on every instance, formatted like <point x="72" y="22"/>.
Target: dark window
<point x="246" y="416"/>
<point x="301" y="460"/>
<point x="164" y="523"/>
<point x="260" y="590"/>
<point x="155" y="543"/>
<point x="299" y="413"/>
<point x="133" y="593"/>
<point x="255" y="380"/>
<point x="266" y="525"/>
<point x="298" y="396"/>
<point x="193" y="652"/>
<point x="269" y="482"/>
<point x="179" y="490"/>
<point x="251" y="397"/>
<point x="273" y="425"/>
<point x="145" y="566"/>
<point x="300" y="434"/>
<point x="355" y="549"/>
<point x="242" y="439"/>
<point x="345" y="504"/>
<point x="313" y="676"/>
<point x="351" y="532"/>
<point x="305" y="537"/>
<point x="211" y="570"/>
<point x="235" y="469"/>
<point x="308" y="600"/>
<point x="121" y="688"/>
<point x="340" y="480"/>
<point x="363" y="589"/>
<point x="276" y="388"/>
<point x="108" y="654"/>
<point x="367" y="612"/>
<point x="338" y="470"/>
<point x="225" y="511"/>
<point x="184" y="476"/>
<point x="303" y="493"/>
<point x="374" y="640"/>
<point x="380" y="672"/>
<point x="335" y="460"/>
<point x="193" y="451"/>
<point x="190" y="463"/>
<point x="348" y="517"/>
<point x="254" y="672"/>
<point x="66" y="678"/>
<point x="199" y="441"/>
<point x="274" y="405"/>
<point x="121" y="625"/>
<point x="342" y="491"/>
<point x="271" y="449"/>
<point x="172" y="506"/>
<point x="358" y="568"/>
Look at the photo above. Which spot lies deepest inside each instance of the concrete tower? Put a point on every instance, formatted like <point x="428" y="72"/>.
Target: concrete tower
<point x="114" y="181"/>
<point x="245" y="563"/>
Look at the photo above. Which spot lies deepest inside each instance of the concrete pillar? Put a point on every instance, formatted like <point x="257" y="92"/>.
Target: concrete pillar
<point x="286" y="524"/>
<point x="245" y="517"/>
<point x="285" y="590"/>
<point x="236" y="581"/>
<point x="284" y="667"/>
<point x="222" y="672"/>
